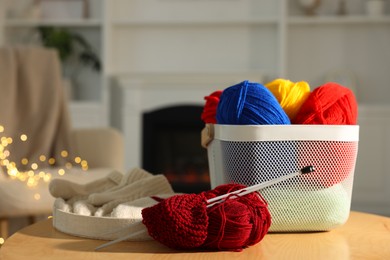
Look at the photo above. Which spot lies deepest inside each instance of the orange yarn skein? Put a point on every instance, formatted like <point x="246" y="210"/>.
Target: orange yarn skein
<point x="329" y="104"/>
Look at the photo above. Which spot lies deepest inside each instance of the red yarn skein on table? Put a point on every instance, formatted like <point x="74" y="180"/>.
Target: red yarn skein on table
<point x="178" y="222"/>
<point x="238" y="222"/>
<point x="329" y="104"/>
<point x="210" y="107"/>
<point x="185" y="221"/>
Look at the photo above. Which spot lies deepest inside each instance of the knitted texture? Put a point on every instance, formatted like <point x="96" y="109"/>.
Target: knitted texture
<point x="155" y="184"/>
<point x="290" y="95"/>
<point x="178" y="222"/>
<point x="210" y="108"/>
<point x="329" y="104"/>
<point x="237" y="223"/>
<point x="249" y="103"/>
<point x="66" y="189"/>
<point x="185" y="221"/>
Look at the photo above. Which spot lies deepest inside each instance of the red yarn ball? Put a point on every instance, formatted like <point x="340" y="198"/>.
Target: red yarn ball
<point x="329" y="104"/>
<point x="237" y="223"/>
<point x="179" y="222"/>
<point x="210" y="108"/>
<point x="185" y="221"/>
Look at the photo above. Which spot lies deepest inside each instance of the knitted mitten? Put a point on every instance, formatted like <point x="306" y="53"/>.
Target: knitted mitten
<point x="155" y="184"/>
<point x="61" y="188"/>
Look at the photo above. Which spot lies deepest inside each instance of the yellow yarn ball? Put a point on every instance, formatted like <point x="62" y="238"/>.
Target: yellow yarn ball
<point x="291" y="95"/>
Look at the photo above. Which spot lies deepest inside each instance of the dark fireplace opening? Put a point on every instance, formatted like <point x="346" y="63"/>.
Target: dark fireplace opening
<point x="172" y="146"/>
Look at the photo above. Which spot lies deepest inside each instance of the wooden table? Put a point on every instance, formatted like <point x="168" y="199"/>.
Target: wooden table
<point x="364" y="236"/>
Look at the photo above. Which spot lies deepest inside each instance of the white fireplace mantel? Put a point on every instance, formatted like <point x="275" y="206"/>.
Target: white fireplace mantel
<point x="142" y="93"/>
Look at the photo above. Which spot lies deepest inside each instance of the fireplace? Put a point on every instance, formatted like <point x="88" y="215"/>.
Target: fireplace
<point x="171" y="146"/>
<point x="144" y="95"/>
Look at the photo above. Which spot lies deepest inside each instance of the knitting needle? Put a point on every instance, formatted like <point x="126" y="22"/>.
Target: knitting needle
<point x="247" y="190"/>
<point x="219" y="199"/>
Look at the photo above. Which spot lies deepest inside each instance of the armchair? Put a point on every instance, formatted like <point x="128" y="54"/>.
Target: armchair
<point x="103" y="150"/>
<point x="33" y="105"/>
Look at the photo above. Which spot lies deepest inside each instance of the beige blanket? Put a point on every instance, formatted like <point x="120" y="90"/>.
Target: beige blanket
<point x="32" y="102"/>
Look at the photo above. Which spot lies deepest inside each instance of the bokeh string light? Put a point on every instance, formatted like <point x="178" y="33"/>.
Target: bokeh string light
<point x="33" y="176"/>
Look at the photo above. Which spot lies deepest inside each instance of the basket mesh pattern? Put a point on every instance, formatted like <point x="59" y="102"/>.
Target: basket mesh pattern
<point x="313" y="202"/>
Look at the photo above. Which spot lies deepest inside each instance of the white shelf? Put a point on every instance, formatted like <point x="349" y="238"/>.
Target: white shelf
<point x="60" y="23"/>
<point x="204" y="22"/>
<point x="338" y="20"/>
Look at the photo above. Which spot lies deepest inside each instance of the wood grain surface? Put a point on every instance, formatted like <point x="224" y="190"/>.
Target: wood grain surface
<point x="364" y="236"/>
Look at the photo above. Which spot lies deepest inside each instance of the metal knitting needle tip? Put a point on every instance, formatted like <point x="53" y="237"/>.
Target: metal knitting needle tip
<point x="308" y="169"/>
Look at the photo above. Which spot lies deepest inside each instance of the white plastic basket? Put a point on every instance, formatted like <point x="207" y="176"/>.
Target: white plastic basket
<point x="249" y="155"/>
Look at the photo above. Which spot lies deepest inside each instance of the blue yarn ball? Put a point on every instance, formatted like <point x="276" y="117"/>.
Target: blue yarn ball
<point x="250" y="103"/>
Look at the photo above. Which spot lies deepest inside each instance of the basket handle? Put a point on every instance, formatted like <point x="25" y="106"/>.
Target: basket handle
<point x="207" y="135"/>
